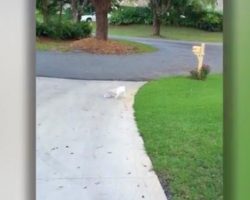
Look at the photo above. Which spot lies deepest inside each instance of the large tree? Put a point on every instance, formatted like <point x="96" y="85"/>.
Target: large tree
<point x="101" y="8"/>
<point x="159" y="7"/>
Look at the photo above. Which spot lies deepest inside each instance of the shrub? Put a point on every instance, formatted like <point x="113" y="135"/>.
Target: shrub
<point x="64" y="30"/>
<point x="67" y="14"/>
<point x="205" y="69"/>
<point x="202" y="19"/>
<point x="193" y="16"/>
<point x="71" y="30"/>
<point x="173" y="18"/>
<point x="131" y="15"/>
<point x="42" y="29"/>
<point x="211" y="21"/>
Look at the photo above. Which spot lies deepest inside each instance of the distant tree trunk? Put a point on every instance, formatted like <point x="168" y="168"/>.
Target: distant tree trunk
<point x="101" y="9"/>
<point x="158" y="8"/>
<point x="60" y="11"/>
<point x="80" y="7"/>
<point x="156" y="25"/>
<point x="79" y="15"/>
<point x="74" y="10"/>
<point x="45" y="11"/>
<point x="79" y="11"/>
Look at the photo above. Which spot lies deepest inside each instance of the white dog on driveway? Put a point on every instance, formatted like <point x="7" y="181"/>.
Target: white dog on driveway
<point x="116" y="92"/>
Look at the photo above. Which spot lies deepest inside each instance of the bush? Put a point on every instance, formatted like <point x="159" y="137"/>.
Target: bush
<point x="131" y="15"/>
<point x="202" y="19"/>
<point x="67" y="14"/>
<point x="211" y="21"/>
<point x="64" y="30"/>
<point x="193" y="16"/>
<point x="173" y="18"/>
<point x="42" y="29"/>
<point x="205" y="69"/>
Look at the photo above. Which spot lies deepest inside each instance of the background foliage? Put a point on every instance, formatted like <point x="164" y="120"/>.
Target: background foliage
<point x="208" y="20"/>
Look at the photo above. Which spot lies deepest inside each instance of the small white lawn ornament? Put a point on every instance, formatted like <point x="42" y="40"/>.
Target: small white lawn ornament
<point x="199" y="51"/>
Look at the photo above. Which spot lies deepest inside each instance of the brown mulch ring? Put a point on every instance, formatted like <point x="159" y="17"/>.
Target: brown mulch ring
<point x="93" y="45"/>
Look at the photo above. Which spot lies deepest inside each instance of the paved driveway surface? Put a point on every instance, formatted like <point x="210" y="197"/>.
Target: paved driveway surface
<point x="88" y="147"/>
<point x="173" y="58"/>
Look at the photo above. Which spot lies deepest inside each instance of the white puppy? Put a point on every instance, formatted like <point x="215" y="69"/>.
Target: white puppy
<point x="116" y="92"/>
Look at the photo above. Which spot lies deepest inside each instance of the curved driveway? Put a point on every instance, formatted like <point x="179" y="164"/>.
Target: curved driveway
<point x="88" y="147"/>
<point x="173" y="58"/>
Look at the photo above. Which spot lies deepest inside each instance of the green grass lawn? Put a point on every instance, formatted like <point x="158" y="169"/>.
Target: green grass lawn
<point x="180" y="120"/>
<point x="168" y="32"/>
<point x="52" y="45"/>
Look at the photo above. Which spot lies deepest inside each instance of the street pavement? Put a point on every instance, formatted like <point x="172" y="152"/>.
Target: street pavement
<point x="172" y="58"/>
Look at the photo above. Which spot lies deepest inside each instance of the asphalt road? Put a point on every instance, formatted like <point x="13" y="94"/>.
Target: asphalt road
<point x="172" y="58"/>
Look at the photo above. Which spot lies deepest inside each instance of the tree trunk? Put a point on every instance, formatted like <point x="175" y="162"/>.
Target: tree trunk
<point x="79" y="12"/>
<point x="60" y="11"/>
<point x="101" y="24"/>
<point x="74" y="10"/>
<point x="80" y="7"/>
<point x="79" y="16"/>
<point x="101" y="9"/>
<point x="156" y="25"/>
<point x="158" y="8"/>
<point x="45" y="11"/>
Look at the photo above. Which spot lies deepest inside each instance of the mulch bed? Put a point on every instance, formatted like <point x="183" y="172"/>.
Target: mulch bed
<point x="93" y="45"/>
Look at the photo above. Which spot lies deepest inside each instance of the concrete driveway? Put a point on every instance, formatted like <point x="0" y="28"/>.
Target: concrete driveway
<point x="173" y="58"/>
<point x="88" y="147"/>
